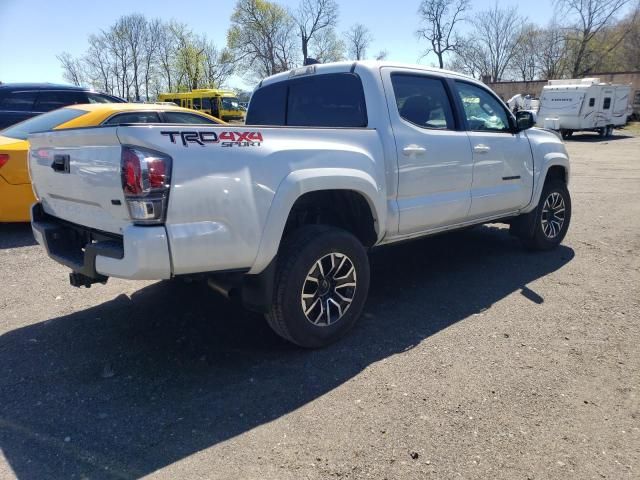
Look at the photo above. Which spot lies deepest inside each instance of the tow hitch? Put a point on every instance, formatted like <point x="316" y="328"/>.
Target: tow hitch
<point x="79" y="280"/>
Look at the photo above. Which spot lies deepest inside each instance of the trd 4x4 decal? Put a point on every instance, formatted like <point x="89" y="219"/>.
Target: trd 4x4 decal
<point x="226" y="139"/>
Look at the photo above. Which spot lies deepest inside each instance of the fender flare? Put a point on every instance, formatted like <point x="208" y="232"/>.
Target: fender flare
<point x="551" y="159"/>
<point x="304" y="181"/>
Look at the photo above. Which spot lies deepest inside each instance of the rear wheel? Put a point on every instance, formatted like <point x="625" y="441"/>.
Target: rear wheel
<point x="566" y="134"/>
<point x="551" y="217"/>
<point x="321" y="284"/>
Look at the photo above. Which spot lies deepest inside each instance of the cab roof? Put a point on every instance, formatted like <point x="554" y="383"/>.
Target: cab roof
<point x="349" y="66"/>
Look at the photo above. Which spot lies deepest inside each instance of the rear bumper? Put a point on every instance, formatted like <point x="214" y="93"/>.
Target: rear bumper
<point x="15" y="201"/>
<point x="140" y="253"/>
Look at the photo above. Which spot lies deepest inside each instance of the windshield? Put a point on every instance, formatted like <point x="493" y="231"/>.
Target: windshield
<point x="41" y="123"/>
<point x="230" y="103"/>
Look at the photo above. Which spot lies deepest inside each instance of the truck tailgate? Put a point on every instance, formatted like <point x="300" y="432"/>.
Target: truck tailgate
<point x="76" y="176"/>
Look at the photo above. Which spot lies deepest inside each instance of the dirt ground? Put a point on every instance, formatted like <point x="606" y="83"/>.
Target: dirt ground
<point x="474" y="359"/>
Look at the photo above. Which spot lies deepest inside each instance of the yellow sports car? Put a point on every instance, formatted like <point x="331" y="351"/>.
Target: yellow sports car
<point x="16" y="196"/>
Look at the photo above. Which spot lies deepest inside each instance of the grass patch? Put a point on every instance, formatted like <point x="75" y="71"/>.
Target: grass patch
<point x="633" y="128"/>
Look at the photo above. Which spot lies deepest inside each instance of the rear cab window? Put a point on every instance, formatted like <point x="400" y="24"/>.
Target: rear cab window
<point x="326" y="100"/>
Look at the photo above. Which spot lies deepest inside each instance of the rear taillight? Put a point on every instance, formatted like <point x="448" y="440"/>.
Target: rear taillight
<point x="4" y="158"/>
<point x="146" y="179"/>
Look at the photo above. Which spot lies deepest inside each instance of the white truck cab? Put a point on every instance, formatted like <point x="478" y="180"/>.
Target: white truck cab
<point x="334" y="160"/>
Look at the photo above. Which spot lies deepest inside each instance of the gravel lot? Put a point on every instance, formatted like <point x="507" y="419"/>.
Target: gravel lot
<point x="475" y="359"/>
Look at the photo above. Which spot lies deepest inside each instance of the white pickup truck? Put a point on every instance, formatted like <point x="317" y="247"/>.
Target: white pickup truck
<point x="334" y="160"/>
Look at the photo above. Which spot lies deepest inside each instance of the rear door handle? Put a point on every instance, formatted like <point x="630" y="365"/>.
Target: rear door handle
<point x="481" y="148"/>
<point x="413" y="150"/>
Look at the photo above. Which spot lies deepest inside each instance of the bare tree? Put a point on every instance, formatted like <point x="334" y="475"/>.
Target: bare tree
<point x="116" y="42"/>
<point x="525" y="59"/>
<point x="327" y="47"/>
<point x="591" y="17"/>
<point x="72" y="69"/>
<point x="98" y="65"/>
<point x="312" y="18"/>
<point x="382" y="55"/>
<point x="440" y="18"/>
<point x="630" y="50"/>
<point x="166" y="51"/>
<point x="358" y="40"/>
<point x="261" y="37"/>
<point x="493" y="41"/>
<point x="552" y="52"/>
<point x="150" y="46"/>
<point x="218" y="65"/>
<point x="133" y="29"/>
<point x="472" y="59"/>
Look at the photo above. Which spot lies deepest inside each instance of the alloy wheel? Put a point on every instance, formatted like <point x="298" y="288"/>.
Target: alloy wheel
<point x="329" y="289"/>
<point x="553" y="214"/>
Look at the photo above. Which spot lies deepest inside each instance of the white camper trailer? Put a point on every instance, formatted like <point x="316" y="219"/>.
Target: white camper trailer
<point x="583" y="105"/>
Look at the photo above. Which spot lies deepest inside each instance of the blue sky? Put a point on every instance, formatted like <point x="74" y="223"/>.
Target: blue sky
<point x="33" y="32"/>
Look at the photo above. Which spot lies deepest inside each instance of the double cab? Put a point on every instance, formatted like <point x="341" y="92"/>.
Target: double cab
<point x="280" y="213"/>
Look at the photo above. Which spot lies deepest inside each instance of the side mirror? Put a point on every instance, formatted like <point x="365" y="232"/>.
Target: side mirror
<point x="524" y="120"/>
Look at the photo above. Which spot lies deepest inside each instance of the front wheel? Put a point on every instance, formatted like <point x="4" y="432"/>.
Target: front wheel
<point x="552" y="217"/>
<point x="321" y="284"/>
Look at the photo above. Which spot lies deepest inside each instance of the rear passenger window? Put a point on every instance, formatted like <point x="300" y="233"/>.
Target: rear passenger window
<point x="184" y="117"/>
<point x="330" y="100"/>
<point x="268" y="105"/>
<point x="50" y="100"/>
<point x="607" y="103"/>
<point x="592" y="102"/>
<point x="133" y="117"/>
<point x="423" y="101"/>
<point x="19" y="101"/>
<point x="334" y="100"/>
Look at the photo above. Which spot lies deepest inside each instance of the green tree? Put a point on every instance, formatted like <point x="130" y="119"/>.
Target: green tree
<point x="262" y="38"/>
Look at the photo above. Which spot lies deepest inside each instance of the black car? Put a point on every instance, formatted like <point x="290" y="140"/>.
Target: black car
<point x="19" y="101"/>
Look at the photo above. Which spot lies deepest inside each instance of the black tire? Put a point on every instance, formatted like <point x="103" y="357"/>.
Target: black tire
<point x="539" y="237"/>
<point x="566" y="134"/>
<point x="296" y="258"/>
<point x="602" y="132"/>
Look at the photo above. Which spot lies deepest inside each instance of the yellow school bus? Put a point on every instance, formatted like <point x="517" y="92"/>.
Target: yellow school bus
<point x="222" y="104"/>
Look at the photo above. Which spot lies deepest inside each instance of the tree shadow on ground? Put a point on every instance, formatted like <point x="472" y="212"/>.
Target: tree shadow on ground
<point x="127" y="387"/>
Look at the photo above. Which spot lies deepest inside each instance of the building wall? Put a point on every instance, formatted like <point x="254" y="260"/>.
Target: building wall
<point x="506" y="90"/>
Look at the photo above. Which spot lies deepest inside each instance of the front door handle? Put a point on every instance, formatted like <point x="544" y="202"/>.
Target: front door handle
<point x="481" y="148"/>
<point x="413" y="150"/>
